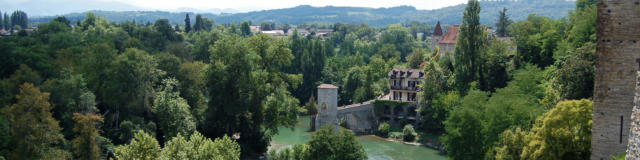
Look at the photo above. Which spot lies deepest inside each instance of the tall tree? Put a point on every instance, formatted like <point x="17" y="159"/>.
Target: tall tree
<point x="1" y="21"/>
<point x="7" y="23"/>
<point x="127" y="91"/>
<point x="85" y="145"/>
<point x="187" y="24"/>
<point x="199" y="23"/>
<point x="245" y="28"/>
<point x="163" y="27"/>
<point x="469" y="48"/>
<point x="172" y="111"/>
<point x="239" y="89"/>
<point x="503" y="23"/>
<point x="69" y="95"/>
<point x="35" y="133"/>
<point x="19" y="18"/>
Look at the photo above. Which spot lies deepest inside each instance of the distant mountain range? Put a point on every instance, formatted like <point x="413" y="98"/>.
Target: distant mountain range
<point x="517" y="10"/>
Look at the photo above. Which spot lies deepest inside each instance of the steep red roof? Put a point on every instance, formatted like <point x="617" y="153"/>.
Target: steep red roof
<point x="451" y="37"/>
<point x="438" y="30"/>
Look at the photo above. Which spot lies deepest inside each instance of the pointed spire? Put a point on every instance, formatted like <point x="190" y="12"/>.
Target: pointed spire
<point x="438" y="30"/>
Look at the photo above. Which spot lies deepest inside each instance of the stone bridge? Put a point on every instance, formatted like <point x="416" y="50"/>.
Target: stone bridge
<point x="360" y="118"/>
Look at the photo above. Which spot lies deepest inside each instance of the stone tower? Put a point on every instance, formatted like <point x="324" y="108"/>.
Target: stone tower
<point x="618" y="33"/>
<point x="436" y="37"/>
<point x="327" y="106"/>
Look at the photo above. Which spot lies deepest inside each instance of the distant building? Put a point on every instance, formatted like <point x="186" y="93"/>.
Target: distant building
<point x="302" y="32"/>
<point x="324" y="32"/>
<point x="4" y="32"/>
<point x="254" y="29"/>
<point x="449" y="40"/>
<point x="316" y="32"/>
<point x="436" y="37"/>
<point x="274" y="33"/>
<point x="404" y="84"/>
<point x="447" y="43"/>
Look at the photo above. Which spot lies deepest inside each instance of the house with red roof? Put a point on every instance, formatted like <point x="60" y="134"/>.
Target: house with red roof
<point x="449" y="40"/>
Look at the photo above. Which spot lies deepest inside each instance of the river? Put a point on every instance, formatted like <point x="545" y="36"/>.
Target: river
<point x="377" y="148"/>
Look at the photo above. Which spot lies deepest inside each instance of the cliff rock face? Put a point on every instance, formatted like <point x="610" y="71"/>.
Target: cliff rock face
<point x="618" y="48"/>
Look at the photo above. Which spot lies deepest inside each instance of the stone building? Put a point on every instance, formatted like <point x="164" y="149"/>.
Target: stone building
<point x="449" y="40"/>
<point x="327" y="106"/>
<point x="404" y="84"/>
<point x="436" y="37"/>
<point x="618" y="33"/>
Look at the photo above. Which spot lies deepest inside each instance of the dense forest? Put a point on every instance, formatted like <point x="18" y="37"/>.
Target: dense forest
<point x="97" y="89"/>
<point x="377" y="17"/>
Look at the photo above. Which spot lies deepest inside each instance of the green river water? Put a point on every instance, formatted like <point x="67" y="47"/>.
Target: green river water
<point x="377" y="148"/>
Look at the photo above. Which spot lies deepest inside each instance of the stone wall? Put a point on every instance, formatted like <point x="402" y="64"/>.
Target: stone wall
<point x="618" y="33"/>
<point x="360" y="118"/>
<point x="633" y="149"/>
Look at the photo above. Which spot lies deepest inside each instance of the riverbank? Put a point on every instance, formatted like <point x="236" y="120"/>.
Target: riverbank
<point x="377" y="148"/>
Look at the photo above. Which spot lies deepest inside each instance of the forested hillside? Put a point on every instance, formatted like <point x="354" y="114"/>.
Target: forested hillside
<point x="519" y="10"/>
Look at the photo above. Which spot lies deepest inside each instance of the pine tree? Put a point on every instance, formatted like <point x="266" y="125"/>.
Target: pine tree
<point x="187" y="24"/>
<point x="7" y="23"/>
<point x="19" y="18"/>
<point x="503" y="23"/>
<point x="1" y="21"/>
<point x="245" y="28"/>
<point x="469" y="48"/>
<point x="198" y="26"/>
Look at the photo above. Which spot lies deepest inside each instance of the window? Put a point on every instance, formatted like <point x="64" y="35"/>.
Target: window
<point x="621" y="127"/>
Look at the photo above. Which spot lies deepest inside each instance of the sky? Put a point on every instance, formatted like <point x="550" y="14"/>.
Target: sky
<point x="57" y="7"/>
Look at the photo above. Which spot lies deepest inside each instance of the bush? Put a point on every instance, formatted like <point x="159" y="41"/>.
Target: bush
<point x="409" y="134"/>
<point x="395" y="135"/>
<point x="383" y="129"/>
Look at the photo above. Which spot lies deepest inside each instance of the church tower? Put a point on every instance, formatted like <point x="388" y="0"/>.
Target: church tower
<point x="436" y="37"/>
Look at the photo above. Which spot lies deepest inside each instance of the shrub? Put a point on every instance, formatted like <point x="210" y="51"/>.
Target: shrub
<point x="409" y="134"/>
<point x="395" y="135"/>
<point x="383" y="129"/>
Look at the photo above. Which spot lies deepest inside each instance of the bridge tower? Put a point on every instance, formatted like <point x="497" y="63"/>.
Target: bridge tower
<point x="327" y="106"/>
<point x="617" y="50"/>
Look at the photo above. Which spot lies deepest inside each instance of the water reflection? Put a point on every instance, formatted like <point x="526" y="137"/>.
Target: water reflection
<point x="377" y="148"/>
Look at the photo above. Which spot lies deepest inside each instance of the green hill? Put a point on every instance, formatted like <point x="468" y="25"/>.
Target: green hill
<point x="518" y="10"/>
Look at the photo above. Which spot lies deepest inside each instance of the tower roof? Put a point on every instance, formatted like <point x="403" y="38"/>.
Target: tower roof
<point x="452" y="35"/>
<point x="438" y="30"/>
<point x="327" y="86"/>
